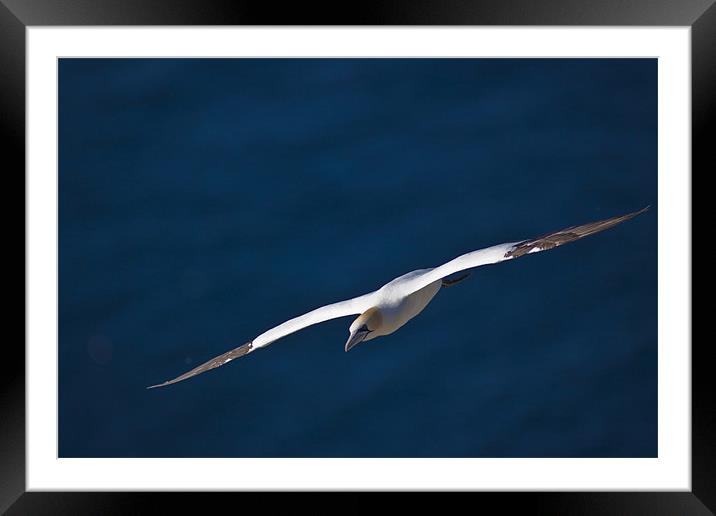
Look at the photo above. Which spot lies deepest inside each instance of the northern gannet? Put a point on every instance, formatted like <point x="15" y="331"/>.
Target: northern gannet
<point x="391" y="306"/>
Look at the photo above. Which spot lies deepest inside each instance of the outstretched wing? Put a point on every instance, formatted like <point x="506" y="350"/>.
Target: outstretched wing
<point x="211" y="364"/>
<point x="510" y="250"/>
<point x="354" y="306"/>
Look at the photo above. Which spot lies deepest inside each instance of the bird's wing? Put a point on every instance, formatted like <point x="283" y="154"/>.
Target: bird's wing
<point x="356" y="305"/>
<point x="508" y="251"/>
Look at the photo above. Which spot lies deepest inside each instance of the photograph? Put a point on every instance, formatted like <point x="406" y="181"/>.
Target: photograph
<point x="332" y="257"/>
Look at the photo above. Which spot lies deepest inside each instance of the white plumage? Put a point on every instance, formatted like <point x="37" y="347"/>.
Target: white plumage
<point x="387" y="309"/>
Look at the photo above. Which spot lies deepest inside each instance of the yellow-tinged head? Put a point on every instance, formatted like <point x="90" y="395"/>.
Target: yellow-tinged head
<point x="366" y="323"/>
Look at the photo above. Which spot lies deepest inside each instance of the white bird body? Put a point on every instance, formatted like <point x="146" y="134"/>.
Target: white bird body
<point x="397" y="308"/>
<point x="395" y="301"/>
<point x="387" y="309"/>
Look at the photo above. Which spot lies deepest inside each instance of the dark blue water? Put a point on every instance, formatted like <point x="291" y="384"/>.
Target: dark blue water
<point x="204" y="201"/>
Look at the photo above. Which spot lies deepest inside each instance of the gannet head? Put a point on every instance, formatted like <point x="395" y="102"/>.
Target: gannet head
<point x="363" y="327"/>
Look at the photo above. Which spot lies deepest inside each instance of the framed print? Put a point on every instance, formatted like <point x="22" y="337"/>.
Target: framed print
<point x="196" y="193"/>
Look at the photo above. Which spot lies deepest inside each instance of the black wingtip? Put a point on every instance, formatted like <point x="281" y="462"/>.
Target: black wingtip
<point x="211" y="364"/>
<point x="567" y="235"/>
<point x="157" y="385"/>
<point x="164" y="384"/>
<point x="635" y="213"/>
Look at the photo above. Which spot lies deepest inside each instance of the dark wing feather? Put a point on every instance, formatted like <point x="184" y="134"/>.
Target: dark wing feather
<point x="567" y="235"/>
<point x="211" y="364"/>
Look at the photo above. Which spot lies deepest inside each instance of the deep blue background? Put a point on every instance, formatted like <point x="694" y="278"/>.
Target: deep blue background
<point x="204" y="201"/>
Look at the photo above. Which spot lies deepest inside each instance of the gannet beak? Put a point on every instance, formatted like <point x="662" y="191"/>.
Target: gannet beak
<point x="357" y="337"/>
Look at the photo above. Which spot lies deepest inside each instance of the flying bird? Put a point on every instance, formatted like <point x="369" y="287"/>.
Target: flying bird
<point x="387" y="309"/>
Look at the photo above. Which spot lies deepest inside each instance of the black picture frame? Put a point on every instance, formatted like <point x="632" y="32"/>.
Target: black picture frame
<point x="17" y="15"/>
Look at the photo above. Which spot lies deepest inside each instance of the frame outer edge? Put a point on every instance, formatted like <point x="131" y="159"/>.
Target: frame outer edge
<point x="396" y="12"/>
<point x="12" y="134"/>
<point x="703" y="126"/>
<point x="12" y="124"/>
